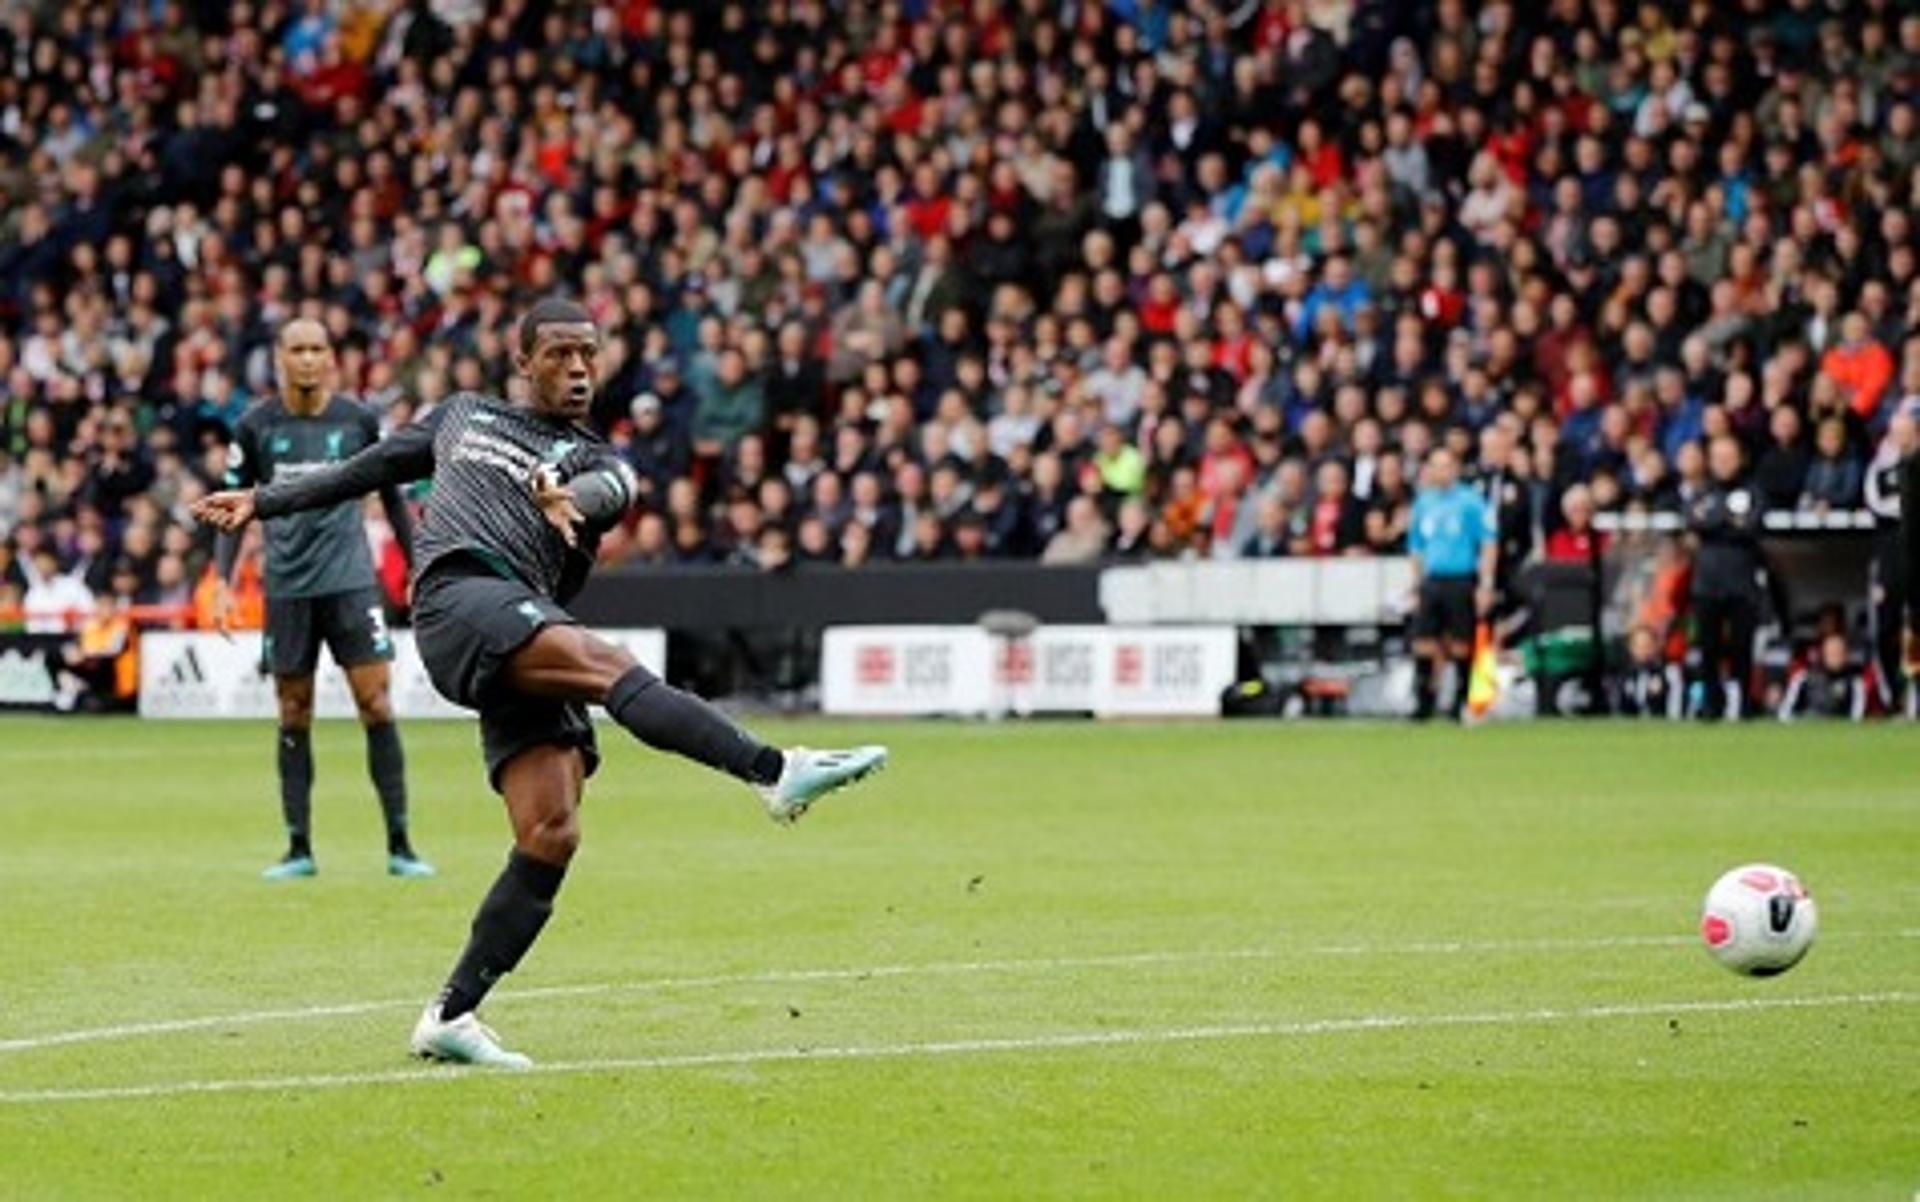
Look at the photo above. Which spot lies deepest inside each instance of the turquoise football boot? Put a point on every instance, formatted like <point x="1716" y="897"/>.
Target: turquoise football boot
<point x="292" y="868"/>
<point x="809" y="775"/>
<point x="410" y="867"/>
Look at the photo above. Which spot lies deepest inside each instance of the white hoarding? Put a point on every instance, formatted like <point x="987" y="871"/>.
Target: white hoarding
<point x="204" y="675"/>
<point x="1105" y="670"/>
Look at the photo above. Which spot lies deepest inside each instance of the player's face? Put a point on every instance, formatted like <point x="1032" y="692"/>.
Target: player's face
<point x="304" y="357"/>
<point x="563" y="369"/>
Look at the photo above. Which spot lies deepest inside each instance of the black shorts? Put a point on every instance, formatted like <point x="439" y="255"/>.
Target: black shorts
<point x="1446" y="610"/>
<point x="353" y="625"/>
<point x="468" y="620"/>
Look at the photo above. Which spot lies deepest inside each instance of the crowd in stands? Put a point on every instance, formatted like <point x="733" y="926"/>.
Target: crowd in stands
<point x="938" y="279"/>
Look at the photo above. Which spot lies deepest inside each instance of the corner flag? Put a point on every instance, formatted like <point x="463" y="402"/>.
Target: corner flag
<point x="1483" y="680"/>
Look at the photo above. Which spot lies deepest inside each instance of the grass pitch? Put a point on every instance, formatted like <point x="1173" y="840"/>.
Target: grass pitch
<point x="1030" y="960"/>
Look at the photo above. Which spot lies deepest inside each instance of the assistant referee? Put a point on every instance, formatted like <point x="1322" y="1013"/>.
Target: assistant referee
<point x="1455" y="551"/>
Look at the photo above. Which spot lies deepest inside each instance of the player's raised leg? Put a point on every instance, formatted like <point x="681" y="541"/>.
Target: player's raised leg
<point x="541" y="786"/>
<point x="568" y="663"/>
<point x="294" y="759"/>
<point x="386" y="764"/>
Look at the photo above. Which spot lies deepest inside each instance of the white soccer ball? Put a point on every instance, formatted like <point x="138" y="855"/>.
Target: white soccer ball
<point x="1759" y="920"/>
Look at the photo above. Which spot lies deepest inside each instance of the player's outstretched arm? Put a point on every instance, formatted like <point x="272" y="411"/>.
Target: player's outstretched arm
<point x="405" y="455"/>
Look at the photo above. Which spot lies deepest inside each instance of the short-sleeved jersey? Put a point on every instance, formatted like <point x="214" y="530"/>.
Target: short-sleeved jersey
<point x="482" y="454"/>
<point x="320" y="551"/>
<point x="1448" y="529"/>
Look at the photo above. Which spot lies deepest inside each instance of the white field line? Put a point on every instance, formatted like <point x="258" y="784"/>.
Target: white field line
<point x="209" y="1022"/>
<point x="965" y="1047"/>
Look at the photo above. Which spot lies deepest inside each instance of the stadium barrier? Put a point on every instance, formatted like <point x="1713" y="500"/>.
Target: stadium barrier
<point x="201" y="675"/>
<point x="741" y="632"/>
<point x="42" y="620"/>
<point x="1107" y="671"/>
<point x="724" y="600"/>
<point x="1261" y="592"/>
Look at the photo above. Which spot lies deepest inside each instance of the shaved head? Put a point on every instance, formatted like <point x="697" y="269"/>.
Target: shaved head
<point x="302" y="330"/>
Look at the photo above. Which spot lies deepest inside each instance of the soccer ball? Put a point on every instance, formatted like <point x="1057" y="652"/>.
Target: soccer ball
<point x="1759" y="920"/>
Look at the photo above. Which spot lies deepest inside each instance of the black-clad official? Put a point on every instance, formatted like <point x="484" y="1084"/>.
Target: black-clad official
<point x="1725" y="521"/>
<point x="1910" y="558"/>
<point x="1889" y="577"/>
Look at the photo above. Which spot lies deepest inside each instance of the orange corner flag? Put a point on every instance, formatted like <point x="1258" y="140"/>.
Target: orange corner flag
<point x="1483" y="681"/>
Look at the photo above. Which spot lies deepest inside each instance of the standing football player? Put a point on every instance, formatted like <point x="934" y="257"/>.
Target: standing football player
<point x="321" y="587"/>
<point x="521" y="496"/>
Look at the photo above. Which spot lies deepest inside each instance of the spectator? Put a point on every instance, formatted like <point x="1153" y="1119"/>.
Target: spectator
<point x="1336" y="523"/>
<point x="1782" y="472"/>
<point x="1083" y="539"/>
<point x="1121" y="468"/>
<point x="1834" y="476"/>
<point x="1271" y="537"/>
<point x="1390" y="509"/>
<point x="1833" y="686"/>
<point x="1133" y="530"/>
<point x="1859" y="366"/>
<point x="1576" y="541"/>
<point x="1118" y="384"/>
<point x="55" y="600"/>
<point x="731" y="405"/>
<point x="653" y="450"/>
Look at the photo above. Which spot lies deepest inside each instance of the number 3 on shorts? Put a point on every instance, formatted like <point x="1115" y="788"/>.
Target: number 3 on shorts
<point x="378" y="616"/>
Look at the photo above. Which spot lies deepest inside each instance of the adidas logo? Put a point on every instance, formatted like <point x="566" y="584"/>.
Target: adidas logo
<point x="187" y="685"/>
<point x="186" y="669"/>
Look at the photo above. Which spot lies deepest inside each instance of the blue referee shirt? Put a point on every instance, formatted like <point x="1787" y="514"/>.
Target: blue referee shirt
<point x="1449" y="528"/>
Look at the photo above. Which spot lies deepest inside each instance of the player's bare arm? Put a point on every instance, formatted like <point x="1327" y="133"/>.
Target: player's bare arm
<point x="405" y="456"/>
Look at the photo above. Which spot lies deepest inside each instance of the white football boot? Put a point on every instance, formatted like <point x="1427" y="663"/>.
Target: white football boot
<point x="464" y="1040"/>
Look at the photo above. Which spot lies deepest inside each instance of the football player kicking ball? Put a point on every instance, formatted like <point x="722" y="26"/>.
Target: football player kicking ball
<point x="521" y="495"/>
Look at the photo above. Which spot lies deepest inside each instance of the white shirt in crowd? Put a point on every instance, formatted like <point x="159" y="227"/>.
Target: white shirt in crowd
<point x="51" y="599"/>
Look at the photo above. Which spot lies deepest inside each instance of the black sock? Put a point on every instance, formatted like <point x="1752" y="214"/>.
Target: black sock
<point x="1462" y="672"/>
<point x="387" y="765"/>
<point x="662" y="716"/>
<point x="507" y="923"/>
<point x="1422" y="686"/>
<point x="296" y="788"/>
